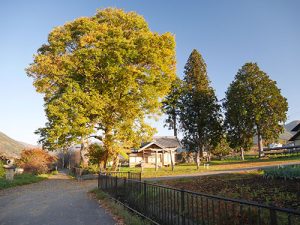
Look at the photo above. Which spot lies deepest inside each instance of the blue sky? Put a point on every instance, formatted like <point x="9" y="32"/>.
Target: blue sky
<point x="227" y="34"/>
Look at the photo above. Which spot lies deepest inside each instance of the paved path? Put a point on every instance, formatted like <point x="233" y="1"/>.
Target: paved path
<point x="213" y="172"/>
<point x="56" y="201"/>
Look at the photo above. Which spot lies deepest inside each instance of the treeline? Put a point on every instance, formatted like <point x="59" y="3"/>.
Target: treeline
<point x="102" y="76"/>
<point x="253" y="106"/>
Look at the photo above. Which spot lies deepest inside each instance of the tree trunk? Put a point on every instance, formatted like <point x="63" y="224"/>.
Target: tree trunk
<point x="69" y="160"/>
<point x="208" y="156"/>
<point x="174" y="124"/>
<point x="63" y="160"/>
<point x="198" y="161"/>
<point x="108" y="145"/>
<point x="105" y="159"/>
<point x="101" y="165"/>
<point x="260" y="145"/>
<point x="242" y="154"/>
<point x="115" y="162"/>
<point x="83" y="160"/>
<point x="172" y="163"/>
<point x="201" y="151"/>
<point x="81" y="152"/>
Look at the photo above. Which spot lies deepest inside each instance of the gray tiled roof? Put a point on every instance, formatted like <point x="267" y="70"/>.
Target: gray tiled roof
<point x="296" y="128"/>
<point x="167" y="141"/>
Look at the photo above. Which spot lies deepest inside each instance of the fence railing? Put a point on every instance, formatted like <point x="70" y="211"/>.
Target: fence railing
<point x="171" y="206"/>
<point x="128" y="175"/>
<point x="283" y="150"/>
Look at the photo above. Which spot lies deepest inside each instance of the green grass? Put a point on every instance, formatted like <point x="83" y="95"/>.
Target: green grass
<point x="215" y="165"/>
<point x="55" y="172"/>
<point x="118" y="210"/>
<point x="22" y="179"/>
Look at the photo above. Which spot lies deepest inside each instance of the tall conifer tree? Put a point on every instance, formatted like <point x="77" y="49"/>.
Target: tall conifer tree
<point x="254" y="106"/>
<point x="200" y="114"/>
<point x="171" y="105"/>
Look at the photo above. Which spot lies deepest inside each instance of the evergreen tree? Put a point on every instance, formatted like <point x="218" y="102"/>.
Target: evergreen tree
<point x="254" y="106"/>
<point x="171" y="105"/>
<point x="200" y="113"/>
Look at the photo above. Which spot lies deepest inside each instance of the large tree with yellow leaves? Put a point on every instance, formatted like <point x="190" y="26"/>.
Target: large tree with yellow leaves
<point x="104" y="74"/>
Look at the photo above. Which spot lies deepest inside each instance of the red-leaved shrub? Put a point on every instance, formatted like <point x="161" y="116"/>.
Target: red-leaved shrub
<point x="36" y="161"/>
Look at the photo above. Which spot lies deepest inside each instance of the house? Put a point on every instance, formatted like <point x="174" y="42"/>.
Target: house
<point x="161" y="150"/>
<point x="296" y="137"/>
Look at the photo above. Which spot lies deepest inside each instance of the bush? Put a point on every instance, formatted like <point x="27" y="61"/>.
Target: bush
<point x="287" y="172"/>
<point x="2" y="171"/>
<point x="96" y="154"/>
<point x="91" y="169"/>
<point x="222" y="149"/>
<point x="36" y="161"/>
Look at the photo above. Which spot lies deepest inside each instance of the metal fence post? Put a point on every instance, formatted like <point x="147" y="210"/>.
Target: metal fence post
<point x="182" y="207"/>
<point x="145" y="196"/>
<point x="99" y="181"/>
<point x="273" y="217"/>
<point x="106" y="182"/>
<point x="124" y="194"/>
<point x="116" y="186"/>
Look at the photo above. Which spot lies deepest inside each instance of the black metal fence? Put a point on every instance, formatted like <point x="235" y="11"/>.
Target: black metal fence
<point x="171" y="206"/>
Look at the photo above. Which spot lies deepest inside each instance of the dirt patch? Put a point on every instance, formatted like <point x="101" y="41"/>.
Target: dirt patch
<point x="247" y="186"/>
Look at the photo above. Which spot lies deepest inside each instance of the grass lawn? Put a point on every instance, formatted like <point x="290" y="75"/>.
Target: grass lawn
<point x="120" y="213"/>
<point x="21" y="179"/>
<point x="215" y="165"/>
<point x="248" y="186"/>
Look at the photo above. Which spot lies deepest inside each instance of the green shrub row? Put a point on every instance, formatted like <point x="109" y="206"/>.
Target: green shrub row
<point x="283" y="172"/>
<point x="21" y="179"/>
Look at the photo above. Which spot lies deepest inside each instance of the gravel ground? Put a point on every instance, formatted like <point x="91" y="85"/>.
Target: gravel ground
<point x="58" y="200"/>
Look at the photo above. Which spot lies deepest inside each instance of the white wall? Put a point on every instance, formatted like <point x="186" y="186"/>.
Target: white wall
<point x="133" y="160"/>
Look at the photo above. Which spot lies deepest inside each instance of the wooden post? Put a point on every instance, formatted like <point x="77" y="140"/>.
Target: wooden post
<point x="198" y="159"/>
<point x="171" y="158"/>
<point x="156" y="166"/>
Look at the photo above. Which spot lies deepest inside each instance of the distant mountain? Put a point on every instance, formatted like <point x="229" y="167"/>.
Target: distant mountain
<point x="26" y="145"/>
<point x="11" y="148"/>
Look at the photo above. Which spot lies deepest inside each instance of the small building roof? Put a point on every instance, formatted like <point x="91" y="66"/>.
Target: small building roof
<point x="162" y="142"/>
<point x="167" y="141"/>
<point x="295" y="137"/>
<point x="296" y="128"/>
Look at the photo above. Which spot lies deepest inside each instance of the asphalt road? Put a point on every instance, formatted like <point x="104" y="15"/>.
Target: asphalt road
<point x="56" y="201"/>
